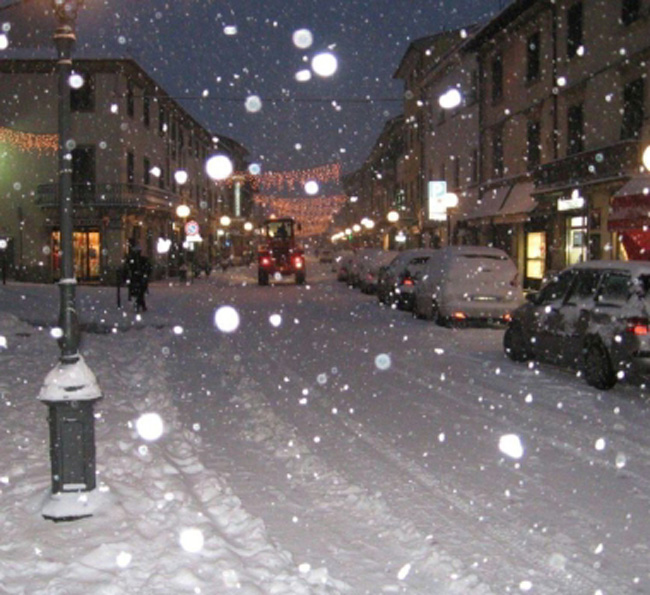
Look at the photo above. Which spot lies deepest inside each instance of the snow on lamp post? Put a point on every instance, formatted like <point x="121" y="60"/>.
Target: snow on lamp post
<point x="70" y="389"/>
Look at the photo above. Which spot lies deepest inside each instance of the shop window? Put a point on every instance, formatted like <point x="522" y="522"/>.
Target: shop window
<point x="86" y="254"/>
<point x="576" y="244"/>
<point x="574" y="29"/>
<point x="632" y="109"/>
<point x="536" y="255"/>
<point x="533" y="61"/>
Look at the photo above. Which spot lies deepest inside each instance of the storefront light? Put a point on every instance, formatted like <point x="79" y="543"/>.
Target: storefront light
<point x="646" y="158"/>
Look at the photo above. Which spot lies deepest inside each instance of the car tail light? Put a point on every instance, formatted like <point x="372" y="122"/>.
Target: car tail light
<point x="459" y="316"/>
<point x="638" y="326"/>
<point x="297" y="261"/>
<point x="507" y="317"/>
<point x="408" y="282"/>
<point x="266" y="261"/>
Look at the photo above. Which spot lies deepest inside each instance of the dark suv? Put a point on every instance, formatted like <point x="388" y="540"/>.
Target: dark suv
<point x="593" y="316"/>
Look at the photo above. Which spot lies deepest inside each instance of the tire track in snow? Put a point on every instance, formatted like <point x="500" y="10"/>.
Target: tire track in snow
<point x="505" y="539"/>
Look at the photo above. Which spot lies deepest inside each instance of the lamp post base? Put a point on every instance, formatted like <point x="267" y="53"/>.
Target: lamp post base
<point x="70" y="506"/>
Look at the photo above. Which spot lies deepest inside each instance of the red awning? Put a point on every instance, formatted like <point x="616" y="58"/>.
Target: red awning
<point x="636" y="244"/>
<point x="631" y="206"/>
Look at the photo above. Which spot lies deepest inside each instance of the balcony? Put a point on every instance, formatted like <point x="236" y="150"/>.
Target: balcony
<point x="589" y="167"/>
<point x="121" y="196"/>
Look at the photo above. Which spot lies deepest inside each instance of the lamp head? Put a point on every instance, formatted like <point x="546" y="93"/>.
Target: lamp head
<point x="67" y="10"/>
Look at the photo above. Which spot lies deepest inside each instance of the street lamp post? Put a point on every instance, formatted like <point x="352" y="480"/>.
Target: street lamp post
<point x="70" y="389"/>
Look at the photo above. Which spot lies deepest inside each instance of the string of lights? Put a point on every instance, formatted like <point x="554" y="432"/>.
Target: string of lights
<point x="313" y="213"/>
<point x="27" y="141"/>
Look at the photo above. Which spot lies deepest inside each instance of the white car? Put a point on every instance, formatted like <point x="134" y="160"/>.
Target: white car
<point x="468" y="284"/>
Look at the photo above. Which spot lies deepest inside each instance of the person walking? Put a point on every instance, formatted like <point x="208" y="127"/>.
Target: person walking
<point x="137" y="270"/>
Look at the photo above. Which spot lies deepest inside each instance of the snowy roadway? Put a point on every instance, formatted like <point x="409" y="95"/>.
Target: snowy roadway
<point x="325" y="445"/>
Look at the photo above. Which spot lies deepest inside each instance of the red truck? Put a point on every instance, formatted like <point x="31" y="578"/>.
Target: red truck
<point x="280" y="254"/>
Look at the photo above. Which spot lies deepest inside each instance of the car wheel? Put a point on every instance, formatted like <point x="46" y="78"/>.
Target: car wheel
<point x="597" y="366"/>
<point x="300" y="278"/>
<point x="263" y="277"/>
<point x="514" y="344"/>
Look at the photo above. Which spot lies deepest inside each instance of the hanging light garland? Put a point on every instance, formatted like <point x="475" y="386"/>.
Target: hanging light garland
<point x="27" y="141"/>
<point x="287" y="181"/>
<point x="313" y="213"/>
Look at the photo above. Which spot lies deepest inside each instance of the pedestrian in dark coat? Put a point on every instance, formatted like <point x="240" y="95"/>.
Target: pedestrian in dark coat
<point x="137" y="270"/>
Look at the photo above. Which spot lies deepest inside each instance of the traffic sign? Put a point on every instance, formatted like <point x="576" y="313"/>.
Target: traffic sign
<point x="192" y="228"/>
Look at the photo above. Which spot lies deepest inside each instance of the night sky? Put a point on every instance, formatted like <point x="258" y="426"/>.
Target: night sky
<point x="192" y="50"/>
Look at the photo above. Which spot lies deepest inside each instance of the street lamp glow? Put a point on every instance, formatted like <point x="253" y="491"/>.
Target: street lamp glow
<point x="356" y="228"/>
<point x="183" y="211"/>
<point x="180" y="176"/>
<point x="248" y="226"/>
<point x="225" y="220"/>
<point x="393" y="217"/>
<point x="646" y="158"/>
<point x="368" y="223"/>
<point x="324" y="64"/>
<point x="219" y="167"/>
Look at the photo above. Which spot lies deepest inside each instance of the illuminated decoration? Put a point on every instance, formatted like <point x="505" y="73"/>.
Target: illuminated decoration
<point x="314" y="213"/>
<point x="393" y="217"/>
<point x="569" y="204"/>
<point x="27" y="142"/>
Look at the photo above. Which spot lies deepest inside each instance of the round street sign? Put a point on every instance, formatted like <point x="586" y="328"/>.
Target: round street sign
<point x="191" y="228"/>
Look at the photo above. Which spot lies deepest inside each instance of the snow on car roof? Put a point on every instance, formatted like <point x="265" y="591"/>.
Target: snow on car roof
<point x="635" y="267"/>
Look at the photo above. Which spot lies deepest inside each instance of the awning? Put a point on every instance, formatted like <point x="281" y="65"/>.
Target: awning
<point x="520" y="201"/>
<point x="490" y="203"/>
<point x="636" y="244"/>
<point x="508" y="203"/>
<point x="630" y="207"/>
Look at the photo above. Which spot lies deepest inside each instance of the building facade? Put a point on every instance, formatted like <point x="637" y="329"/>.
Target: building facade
<point x="130" y="140"/>
<point x="545" y="150"/>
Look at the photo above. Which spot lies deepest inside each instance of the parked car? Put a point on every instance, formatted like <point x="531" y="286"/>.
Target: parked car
<point x="593" y="316"/>
<point x="465" y="284"/>
<point x="361" y="261"/>
<point x="343" y="265"/>
<point x="369" y="269"/>
<point x="394" y="276"/>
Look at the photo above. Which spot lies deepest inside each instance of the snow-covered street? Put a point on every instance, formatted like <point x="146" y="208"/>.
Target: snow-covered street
<point x="321" y="444"/>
